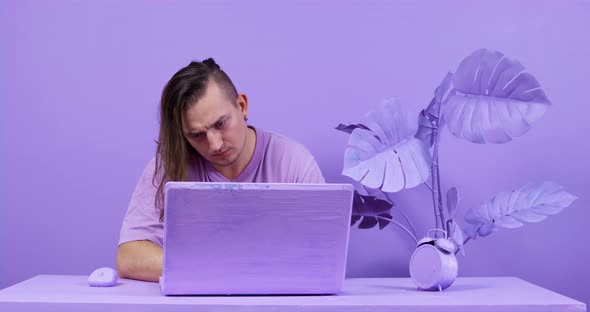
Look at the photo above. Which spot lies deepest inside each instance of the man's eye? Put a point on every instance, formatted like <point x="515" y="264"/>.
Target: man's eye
<point x="220" y="124"/>
<point x="198" y="135"/>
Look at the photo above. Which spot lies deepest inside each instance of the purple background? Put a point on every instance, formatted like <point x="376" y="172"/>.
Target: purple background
<point x="80" y="83"/>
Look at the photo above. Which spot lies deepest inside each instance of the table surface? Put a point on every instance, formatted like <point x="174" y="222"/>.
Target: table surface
<point x="72" y="293"/>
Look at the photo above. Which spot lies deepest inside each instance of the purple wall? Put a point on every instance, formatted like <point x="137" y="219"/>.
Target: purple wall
<point x="80" y="83"/>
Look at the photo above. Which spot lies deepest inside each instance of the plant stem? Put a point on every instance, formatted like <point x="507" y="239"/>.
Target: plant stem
<point x="403" y="215"/>
<point x="400" y="225"/>
<point x="466" y="240"/>
<point x="440" y="204"/>
<point x="436" y="193"/>
<point x="409" y="223"/>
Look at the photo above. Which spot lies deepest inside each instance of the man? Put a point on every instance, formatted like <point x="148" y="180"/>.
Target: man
<point x="204" y="136"/>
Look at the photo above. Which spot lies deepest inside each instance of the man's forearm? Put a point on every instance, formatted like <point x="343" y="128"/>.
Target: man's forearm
<point x="141" y="260"/>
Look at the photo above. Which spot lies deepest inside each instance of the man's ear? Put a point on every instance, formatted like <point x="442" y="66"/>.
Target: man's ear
<point x="242" y="101"/>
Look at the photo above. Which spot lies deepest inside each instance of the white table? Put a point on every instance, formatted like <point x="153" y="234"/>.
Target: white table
<point x="72" y="293"/>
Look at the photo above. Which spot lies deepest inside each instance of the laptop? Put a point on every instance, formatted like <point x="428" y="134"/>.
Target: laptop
<point x="255" y="238"/>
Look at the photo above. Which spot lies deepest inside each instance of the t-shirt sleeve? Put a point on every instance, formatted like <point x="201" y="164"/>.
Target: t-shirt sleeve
<point x="142" y="220"/>
<point x="311" y="171"/>
<point x="301" y="164"/>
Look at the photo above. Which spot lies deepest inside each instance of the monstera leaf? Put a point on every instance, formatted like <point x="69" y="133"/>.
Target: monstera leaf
<point x="370" y="208"/>
<point x="493" y="100"/>
<point x="452" y="202"/>
<point x="428" y="119"/>
<point x="457" y="236"/>
<point x="531" y="203"/>
<point x="387" y="156"/>
<point x="349" y="128"/>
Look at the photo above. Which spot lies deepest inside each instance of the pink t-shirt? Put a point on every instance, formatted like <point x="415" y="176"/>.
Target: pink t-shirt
<point x="276" y="159"/>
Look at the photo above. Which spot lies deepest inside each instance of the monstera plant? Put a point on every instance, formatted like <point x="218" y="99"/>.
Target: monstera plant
<point x="490" y="99"/>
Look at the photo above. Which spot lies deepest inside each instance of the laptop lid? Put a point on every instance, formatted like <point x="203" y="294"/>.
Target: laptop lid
<point x="255" y="238"/>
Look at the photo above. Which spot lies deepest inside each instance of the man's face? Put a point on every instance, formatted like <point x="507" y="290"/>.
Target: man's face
<point x="215" y="127"/>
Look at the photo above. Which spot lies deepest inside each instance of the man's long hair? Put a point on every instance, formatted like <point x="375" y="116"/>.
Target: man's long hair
<point x="184" y="89"/>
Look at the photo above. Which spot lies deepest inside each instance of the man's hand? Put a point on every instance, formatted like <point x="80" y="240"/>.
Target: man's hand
<point x="140" y="260"/>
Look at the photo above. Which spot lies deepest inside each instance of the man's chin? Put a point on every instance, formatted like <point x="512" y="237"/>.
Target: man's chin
<point x="223" y="163"/>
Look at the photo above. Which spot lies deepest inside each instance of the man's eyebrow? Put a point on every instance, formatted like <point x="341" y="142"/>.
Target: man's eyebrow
<point x="210" y="126"/>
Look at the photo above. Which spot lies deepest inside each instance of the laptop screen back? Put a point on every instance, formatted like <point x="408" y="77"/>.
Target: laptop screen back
<point x="252" y="238"/>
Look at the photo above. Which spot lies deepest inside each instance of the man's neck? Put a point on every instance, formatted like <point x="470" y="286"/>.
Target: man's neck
<point x="234" y="170"/>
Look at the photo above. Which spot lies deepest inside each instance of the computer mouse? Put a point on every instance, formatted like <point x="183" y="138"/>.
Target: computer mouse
<point x="103" y="277"/>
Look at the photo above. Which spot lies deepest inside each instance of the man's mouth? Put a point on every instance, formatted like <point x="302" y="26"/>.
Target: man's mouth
<point x="222" y="154"/>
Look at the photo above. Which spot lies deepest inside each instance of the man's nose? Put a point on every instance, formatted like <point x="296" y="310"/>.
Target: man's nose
<point x="215" y="141"/>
